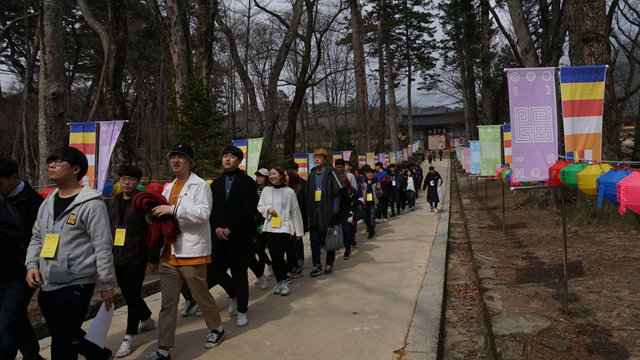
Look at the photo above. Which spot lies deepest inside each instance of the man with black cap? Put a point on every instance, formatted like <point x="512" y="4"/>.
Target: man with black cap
<point x="190" y="202"/>
<point x="234" y="204"/>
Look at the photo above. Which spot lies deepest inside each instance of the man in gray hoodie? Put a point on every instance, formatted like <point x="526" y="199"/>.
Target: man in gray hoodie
<point x="70" y="247"/>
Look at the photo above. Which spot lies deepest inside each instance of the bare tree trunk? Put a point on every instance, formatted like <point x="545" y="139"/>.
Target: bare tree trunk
<point x="28" y="84"/>
<point x="116" y="60"/>
<point x="362" y="97"/>
<point x="589" y="45"/>
<point x="179" y="46"/>
<point x="381" y="74"/>
<point x="468" y="81"/>
<point x="523" y="35"/>
<point x="487" y="97"/>
<point x="52" y="92"/>
<point x="204" y="39"/>
<point x="393" y="109"/>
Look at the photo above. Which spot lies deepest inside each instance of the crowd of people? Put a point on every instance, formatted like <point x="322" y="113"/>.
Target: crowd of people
<point x="195" y="235"/>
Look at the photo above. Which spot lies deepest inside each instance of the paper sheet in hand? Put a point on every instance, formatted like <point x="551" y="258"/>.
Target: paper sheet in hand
<point x="97" y="333"/>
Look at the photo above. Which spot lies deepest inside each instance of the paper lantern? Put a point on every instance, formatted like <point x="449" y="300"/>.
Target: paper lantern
<point x="107" y="189"/>
<point x="587" y="178"/>
<point x="500" y="170"/>
<point x="116" y="188"/>
<point x="155" y="187"/>
<point x="554" y="172"/>
<point x="607" y="185"/>
<point x="569" y="174"/>
<point x="141" y="187"/>
<point x="45" y="192"/>
<point x="629" y="193"/>
<point x="504" y="174"/>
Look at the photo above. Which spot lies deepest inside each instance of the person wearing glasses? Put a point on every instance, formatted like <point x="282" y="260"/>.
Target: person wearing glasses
<point x="70" y="247"/>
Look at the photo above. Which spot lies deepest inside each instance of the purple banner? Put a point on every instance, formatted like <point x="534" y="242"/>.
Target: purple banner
<point x="534" y="134"/>
<point x="467" y="159"/>
<point x="109" y="133"/>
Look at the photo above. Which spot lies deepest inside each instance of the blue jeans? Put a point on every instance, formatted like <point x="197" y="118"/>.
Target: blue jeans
<point x="15" y="328"/>
<point x="370" y="218"/>
<point x="349" y="234"/>
<point x="317" y="241"/>
<point x="411" y="198"/>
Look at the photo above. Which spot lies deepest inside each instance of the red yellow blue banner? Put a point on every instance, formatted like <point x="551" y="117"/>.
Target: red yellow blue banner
<point x="83" y="138"/>
<point x="303" y="167"/>
<point x="242" y="145"/>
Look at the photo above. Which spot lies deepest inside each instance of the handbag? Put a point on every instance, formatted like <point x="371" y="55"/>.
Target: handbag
<point x="333" y="241"/>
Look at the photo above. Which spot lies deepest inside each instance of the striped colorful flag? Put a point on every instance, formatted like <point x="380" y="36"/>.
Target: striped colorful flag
<point x="362" y="159"/>
<point x="83" y="138"/>
<point x="370" y="159"/>
<point x="336" y="155"/>
<point x="508" y="158"/>
<point x="582" y="109"/>
<point x="301" y="160"/>
<point x="242" y="145"/>
<point x="387" y="159"/>
<point x="398" y="156"/>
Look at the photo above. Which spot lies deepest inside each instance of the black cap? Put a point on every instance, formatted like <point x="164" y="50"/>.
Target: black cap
<point x="369" y="169"/>
<point x="379" y="163"/>
<point x="431" y="168"/>
<point x="184" y="149"/>
<point x="233" y="150"/>
<point x="340" y="162"/>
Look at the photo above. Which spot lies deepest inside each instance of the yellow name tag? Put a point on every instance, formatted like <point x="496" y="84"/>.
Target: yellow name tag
<point x="119" y="238"/>
<point x="369" y="197"/>
<point x="275" y="221"/>
<point x="318" y="195"/>
<point x="50" y="245"/>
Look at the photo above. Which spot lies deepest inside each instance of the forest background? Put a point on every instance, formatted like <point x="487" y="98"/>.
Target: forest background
<point x="299" y="73"/>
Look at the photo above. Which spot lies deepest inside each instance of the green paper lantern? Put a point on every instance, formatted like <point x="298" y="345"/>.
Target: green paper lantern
<point x="569" y="174"/>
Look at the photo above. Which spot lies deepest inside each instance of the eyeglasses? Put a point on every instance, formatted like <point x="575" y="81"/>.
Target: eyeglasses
<point x="57" y="163"/>
<point x="128" y="180"/>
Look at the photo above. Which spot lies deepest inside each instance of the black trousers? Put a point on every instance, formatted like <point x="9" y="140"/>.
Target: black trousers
<point x="130" y="279"/>
<point x="64" y="311"/>
<point x="257" y="265"/>
<point x="279" y="244"/>
<point x="236" y="285"/>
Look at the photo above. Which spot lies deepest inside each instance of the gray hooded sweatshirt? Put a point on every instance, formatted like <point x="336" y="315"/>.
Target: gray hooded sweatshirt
<point x="84" y="245"/>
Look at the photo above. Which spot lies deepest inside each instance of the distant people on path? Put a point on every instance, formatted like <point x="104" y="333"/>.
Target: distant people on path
<point x="432" y="183"/>
<point x="394" y="192"/>
<point x="70" y="248"/>
<point x="429" y="156"/>
<point x="278" y="205"/>
<point x="417" y="176"/>
<point x="323" y="203"/>
<point x="371" y="194"/>
<point x="440" y="154"/>
<point x="352" y="198"/>
<point x="186" y="260"/>
<point x="433" y="155"/>
<point x="411" y="190"/>
<point x="19" y="205"/>
<point x="234" y="206"/>
<point x="259" y="243"/>
<point x="129" y="230"/>
<point x="383" y="184"/>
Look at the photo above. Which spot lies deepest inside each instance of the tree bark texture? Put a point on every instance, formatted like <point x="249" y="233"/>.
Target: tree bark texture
<point x="179" y="46"/>
<point x="362" y="96"/>
<point x="485" y="66"/>
<point x="393" y="109"/>
<point x="116" y="60"/>
<point x="589" y="45"/>
<point x="381" y="75"/>
<point x="52" y="89"/>
<point x="523" y="34"/>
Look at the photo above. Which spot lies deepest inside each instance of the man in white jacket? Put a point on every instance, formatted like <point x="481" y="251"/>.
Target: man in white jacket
<point x="190" y="202"/>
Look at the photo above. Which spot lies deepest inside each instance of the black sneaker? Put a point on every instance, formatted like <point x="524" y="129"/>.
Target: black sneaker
<point x="297" y="272"/>
<point x="290" y="277"/>
<point x="327" y="269"/>
<point x="317" y="270"/>
<point x="371" y="235"/>
<point x="346" y="255"/>
<point x="354" y="243"/>
<point x="214" y="338"/>
<point x="157" y="356"/>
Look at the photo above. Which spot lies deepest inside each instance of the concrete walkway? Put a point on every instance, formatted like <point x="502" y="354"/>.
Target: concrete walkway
<point x="385" y="302"/>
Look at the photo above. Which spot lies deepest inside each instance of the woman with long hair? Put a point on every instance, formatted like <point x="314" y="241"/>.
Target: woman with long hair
<point x="257" y="265"/>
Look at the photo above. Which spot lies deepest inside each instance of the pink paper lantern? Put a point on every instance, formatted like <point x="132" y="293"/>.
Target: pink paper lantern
<point x="629" y="193"/>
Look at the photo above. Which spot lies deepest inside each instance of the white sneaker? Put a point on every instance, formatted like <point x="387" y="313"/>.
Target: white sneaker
<point x="242" y="320"/>
<point x="284" y="289"/>
<point x="435" y="210"/>
<point x="430" y="209"/>
<point x="146" y="325"/>
<point x="360" y="221"/>
<point x="126" y="348"/>
<point x="263" y="282"/>
<point x="198" y="312"/>
<point x="270" y="271"/>
<point x="278" y="289"/>
<point x="233" y="307"/>
<point x="256" y="281"/>
<point x="377" y="221"/>
<point x="384" y="220"/>
<point x="187" y="307"/>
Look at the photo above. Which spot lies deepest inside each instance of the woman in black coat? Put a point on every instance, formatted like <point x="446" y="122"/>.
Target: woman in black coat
<point x="432" y="182"/>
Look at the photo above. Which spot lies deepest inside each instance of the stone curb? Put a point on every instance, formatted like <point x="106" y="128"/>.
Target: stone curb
<point x="425" y="333"/>
<point x="508" y="333"/>
<point x="148" y="288"/>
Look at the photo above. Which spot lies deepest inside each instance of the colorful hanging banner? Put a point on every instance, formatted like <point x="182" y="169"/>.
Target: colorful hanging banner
<point x="582" y="108"/>
<point x="466" y="153"/>
<point x="534" y="139"/>
<point x="490" y="149"/>
<point x="336" y="155"/>
<point x="405" y="154"/>
<point x="392" y="158"/>
<point x="242" y="145"/>
<point x="346" y="155"/>
<point x="83" y="138"/>
<point x="362" y="159"/>
<point x="475" y="157"/>
<point x="253" y="157"/>
<point x="459" y="153"/>
<point x="370" y="159"/>
<point x="399" y="156"/>
<point x="109" y="133"/>
<point x="303" y="168"/>
<point x="506" y="134"/>
<point x="387" y="159"/>
<point x="410" y="149"/>
<point x="311" y="163"/>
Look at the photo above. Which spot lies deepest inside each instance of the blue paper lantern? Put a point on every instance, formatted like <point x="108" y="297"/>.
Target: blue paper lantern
<point x="107" y="189"/>
<point x="607" y="185"/>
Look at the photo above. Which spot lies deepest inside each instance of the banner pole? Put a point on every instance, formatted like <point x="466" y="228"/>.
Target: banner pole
<point x="503" y="212"/>
<point x="565" y="302"/>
